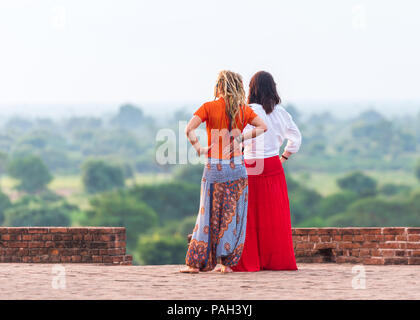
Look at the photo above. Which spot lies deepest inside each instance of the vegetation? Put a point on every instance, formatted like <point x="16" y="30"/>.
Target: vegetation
<point x="172" y="200"/>
<point x="122" y="209"/>
<point x="418" y="170"/>
<point x="99" y="176"/>
<point x="32" y="173"/>
<point x="102" y="171"/>
<point x="360" y="184"/>
<point x="39" y="210"/>
<point x="5" y="203"/>
<point x="158" y="249"/>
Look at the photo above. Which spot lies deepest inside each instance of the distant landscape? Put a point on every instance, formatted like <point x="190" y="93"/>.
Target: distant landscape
<point x="340" y="109"/>
<point x="356" y="167"/>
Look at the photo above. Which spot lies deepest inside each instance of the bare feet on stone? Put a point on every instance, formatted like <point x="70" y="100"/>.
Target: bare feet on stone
<point x="188" y="269"/>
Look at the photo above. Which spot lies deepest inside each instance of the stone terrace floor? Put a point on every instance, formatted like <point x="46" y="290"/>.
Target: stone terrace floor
<point x="311" y="281"/>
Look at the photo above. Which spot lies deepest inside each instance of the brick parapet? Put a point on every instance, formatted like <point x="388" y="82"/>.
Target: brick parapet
<point x="104" y="245"/>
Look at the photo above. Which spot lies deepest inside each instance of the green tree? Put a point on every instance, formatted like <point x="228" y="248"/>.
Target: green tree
<point x="335" y="203"/>
<point x="76" y="123"/>
<point x="376" y="135"/>
<point x="4" y="205"/>
<point x="375" y="212"/>
<point x="370" y="116"/>
<point x="390" y="189"/>
<point x="358" y="183"/>
<point x="115" y="141"/>
<point x="146" y="163"/>
<point x="34" y="211"/>
<point x="303" y="201"/>
<point x="32" y="173"/>
<point x="98" y="176"/>
<point x="317" y="148"/>
<point x="175" y="227"/>
<point x="128" y="170"/>
<point x="322" y="118"/>
<point x="60" y="160"/>
<point x="19" y="123"/>
<point x="121" y="209"/>
<point x="180" y="115"/>
<point x="189" y="173"/>
<point x="128" y="116"/>
<point x="417" y="169"/>
<point x="3" y="162"/>
<point x="156" y="249"/>
<point x="172" y="201"/>
<point x="405" y="141"/>
<point x="415" y="203"/>
<point x="294" y="112"/>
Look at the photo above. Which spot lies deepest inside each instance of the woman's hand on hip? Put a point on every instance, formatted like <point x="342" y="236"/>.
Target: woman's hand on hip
<point x="204" y="150"/>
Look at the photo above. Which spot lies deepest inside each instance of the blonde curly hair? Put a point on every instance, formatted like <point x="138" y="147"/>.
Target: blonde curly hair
<point x="229" y="85"/>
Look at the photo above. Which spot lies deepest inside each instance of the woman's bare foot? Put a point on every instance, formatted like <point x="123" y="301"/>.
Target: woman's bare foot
<point x="218" y="269"/>
<point x="226" y="269"/>
<point x="189" y="270"/>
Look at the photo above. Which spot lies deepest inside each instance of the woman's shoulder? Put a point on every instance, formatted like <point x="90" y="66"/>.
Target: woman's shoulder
<point x="215" y="104"/>
<point x="257" y="108"/>
<point x="281" y="111"/>
<point x="278" y="110"/>
<point x="212" y="107"/>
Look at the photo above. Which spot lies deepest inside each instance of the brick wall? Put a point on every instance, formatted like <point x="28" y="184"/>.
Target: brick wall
<point x="397" y="245"/>
<point x="64" y="245"/>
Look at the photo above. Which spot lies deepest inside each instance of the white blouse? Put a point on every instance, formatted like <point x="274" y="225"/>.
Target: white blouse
<point x="280" y="126"/>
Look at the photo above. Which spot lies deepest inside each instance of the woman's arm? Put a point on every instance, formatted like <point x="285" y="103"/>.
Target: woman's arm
<point x="259" y="128"/>
<point x="192" y="137"/>
<point x="285" y="154"/>
<point x="293" y="136"/>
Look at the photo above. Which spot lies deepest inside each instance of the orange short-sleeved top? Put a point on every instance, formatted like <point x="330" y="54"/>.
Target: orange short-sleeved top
<point x="213" y="113"/>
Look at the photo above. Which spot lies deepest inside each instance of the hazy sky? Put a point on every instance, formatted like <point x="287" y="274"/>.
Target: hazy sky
<point x="171" y="51"/>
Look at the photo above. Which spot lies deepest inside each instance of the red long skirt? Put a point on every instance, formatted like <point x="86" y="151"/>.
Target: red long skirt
<point x="268" y="243"/>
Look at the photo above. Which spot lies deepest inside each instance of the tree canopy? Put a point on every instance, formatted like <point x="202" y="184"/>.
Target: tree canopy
<point x="358" y="183"/>
<point x="32" y="173"/>
<point x="122" y="209"/>
<point x="99" y="176"/>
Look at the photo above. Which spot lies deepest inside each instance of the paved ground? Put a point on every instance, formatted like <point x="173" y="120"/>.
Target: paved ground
<point x="311" y="281"/>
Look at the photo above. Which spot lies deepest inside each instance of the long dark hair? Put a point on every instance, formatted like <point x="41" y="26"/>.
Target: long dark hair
<point x="262" y="90"/>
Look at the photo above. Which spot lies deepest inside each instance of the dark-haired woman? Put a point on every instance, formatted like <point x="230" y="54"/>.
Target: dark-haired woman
<point x="268" y="242"/>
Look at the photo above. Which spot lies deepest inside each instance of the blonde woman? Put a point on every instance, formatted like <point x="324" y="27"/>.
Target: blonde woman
<point x="219" y="233"/>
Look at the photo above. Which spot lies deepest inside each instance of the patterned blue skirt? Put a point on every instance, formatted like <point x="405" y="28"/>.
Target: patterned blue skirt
<point x="220" y="228"/>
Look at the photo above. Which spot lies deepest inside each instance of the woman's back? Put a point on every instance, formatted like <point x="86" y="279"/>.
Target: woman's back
<point x="217" y="124"/>
<point x="219" y="232"/>
<point x="268" y="242"/>
<point x="280" y="126"/>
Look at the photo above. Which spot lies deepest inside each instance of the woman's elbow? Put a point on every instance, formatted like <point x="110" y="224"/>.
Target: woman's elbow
<point x="187" y="131"/>
<point x="264" y="127"/>
<point x="298" y="143"/>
